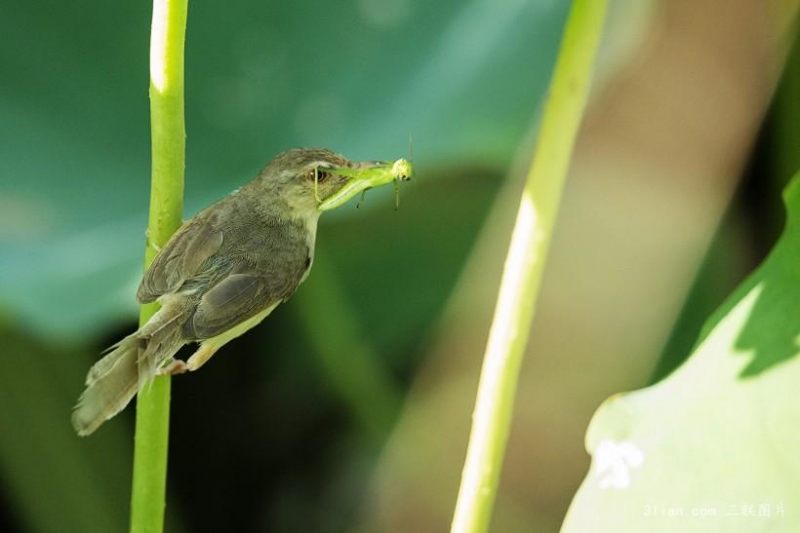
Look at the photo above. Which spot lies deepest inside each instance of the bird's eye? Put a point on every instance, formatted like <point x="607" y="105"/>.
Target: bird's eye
<point x="318" y="175"/>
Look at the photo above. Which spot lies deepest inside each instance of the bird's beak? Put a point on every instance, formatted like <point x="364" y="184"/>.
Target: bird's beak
<point x="366" y="175"/>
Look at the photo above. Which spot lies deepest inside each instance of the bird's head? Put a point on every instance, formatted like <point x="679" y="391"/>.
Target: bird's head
<point x="312" y="180"/>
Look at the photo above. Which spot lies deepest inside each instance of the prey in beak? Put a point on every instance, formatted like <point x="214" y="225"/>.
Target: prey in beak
<point x="367" y="175"/>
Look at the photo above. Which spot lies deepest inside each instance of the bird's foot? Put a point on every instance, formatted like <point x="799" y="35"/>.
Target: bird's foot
<point x="173" y="368"/>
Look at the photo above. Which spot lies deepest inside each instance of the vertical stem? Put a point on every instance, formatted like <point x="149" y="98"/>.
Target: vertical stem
<point x="522" y="274"/>
<point x="168" y="138"/>
<point x="787" y="118"/>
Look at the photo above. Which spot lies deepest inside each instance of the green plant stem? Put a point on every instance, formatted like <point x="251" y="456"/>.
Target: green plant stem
<point x="522" y="274"/>
<point x="787" y="118"/>
<point x="168" y="138"/>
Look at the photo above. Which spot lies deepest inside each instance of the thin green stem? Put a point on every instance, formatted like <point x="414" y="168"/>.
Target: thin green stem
<point x="522" y="274"/>
<point x="168" y="137"/>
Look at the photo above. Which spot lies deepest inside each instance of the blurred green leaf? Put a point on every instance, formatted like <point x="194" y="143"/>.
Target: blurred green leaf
<point x="358" y="77"/>
<point x="59" y="482"/>
<point x="410" y="257"/>
<point x="714" y="446"/>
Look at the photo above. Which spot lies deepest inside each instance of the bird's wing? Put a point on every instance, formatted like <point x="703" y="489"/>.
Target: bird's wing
<point x="237" y="298"/>
<point x="181" y="258"/>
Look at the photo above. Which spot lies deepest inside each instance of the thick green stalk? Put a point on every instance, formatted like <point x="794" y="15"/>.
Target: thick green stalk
<point x="522" y="274"/>
<point x="168" y="138"/>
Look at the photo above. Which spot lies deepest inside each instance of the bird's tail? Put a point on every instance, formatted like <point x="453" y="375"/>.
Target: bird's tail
<point x="116" y="378"/>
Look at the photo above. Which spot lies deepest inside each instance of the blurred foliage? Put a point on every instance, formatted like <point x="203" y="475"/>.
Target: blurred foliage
<point x="461" y="79"/>
<point x="52" y="479"/>
<point x="270" y="437"/>
<point x="654" y="462"/>
<point x="753" y="222"/>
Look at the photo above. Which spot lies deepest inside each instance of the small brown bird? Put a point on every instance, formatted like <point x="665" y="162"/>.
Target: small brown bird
<point x="226" y="269"/>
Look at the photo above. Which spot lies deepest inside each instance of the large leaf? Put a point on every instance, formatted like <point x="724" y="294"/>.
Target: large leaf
<point x="714" y="446"/>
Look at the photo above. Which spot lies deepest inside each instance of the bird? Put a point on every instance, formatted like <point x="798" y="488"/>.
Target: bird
<point x="225" y="270"/>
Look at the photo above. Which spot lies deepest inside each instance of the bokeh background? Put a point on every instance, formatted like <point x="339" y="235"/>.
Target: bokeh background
<point x="348" y="410"/>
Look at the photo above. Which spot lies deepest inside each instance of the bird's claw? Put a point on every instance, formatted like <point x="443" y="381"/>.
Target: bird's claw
<point x="173" y="368"/>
